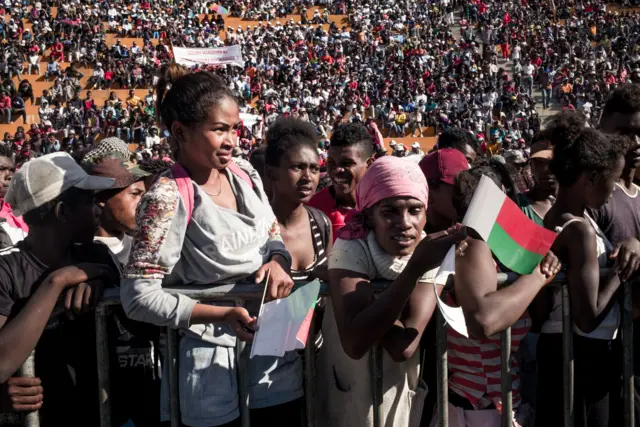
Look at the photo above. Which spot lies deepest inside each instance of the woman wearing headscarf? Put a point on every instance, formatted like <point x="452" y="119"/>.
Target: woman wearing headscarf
<point x="384" y="241"/>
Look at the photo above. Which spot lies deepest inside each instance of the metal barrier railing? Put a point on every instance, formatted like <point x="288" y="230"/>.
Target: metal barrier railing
<point x="240" y="293"/>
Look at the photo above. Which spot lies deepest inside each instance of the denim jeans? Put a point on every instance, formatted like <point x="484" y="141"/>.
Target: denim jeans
<point x="546" y="97"/>
<point x="208" y="385"/>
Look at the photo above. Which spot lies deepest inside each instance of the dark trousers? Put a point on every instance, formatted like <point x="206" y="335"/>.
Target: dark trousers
<point x="290" y="414"/>
<point x="597" y="382"/>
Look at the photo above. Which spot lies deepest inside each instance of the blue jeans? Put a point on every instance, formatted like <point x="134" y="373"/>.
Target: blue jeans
<point x="208" y="383"/>
<point x="546" y="97"/>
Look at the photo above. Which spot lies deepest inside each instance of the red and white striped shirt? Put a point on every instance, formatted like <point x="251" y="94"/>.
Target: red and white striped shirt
<point x="474" y="366"/>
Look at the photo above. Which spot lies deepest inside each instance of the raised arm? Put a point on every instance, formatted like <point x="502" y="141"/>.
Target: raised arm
<point x="488" y="310"/>
<point x="397" y="315"/>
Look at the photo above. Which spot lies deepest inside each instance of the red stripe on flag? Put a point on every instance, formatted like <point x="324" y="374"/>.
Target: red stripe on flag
<point x="524" y="231"/>
<point x="303" y="332"/>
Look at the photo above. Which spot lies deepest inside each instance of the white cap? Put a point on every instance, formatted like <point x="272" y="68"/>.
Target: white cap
<point x="416" y="145"/>
<point x="44" y="179"/>
<point x="393" y="143"/>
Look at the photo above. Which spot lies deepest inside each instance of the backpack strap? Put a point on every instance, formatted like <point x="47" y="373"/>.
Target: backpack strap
<point x="185" y="188"/>
<point x="237" y="170"/>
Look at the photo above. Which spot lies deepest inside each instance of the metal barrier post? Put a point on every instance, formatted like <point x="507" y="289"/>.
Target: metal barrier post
<point x="310" y="375"/>
<point x="242" y="371"/>
<point x="567" y="358"/>
<point x="442" y="370"/>
<point x="627" y="355"/>
<point x="28" y="369"/>
<point x="174" y="388"/>
<point x="102" y="358"/>
<point x="375" y="367"/>
<point x="505" y="373"/>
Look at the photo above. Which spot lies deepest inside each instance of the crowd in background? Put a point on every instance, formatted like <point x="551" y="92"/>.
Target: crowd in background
<point x="402" y="68"/>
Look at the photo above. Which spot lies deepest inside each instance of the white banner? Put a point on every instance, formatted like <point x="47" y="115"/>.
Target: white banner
<point x="248" y="120"/>
<point x="210" y="56"/>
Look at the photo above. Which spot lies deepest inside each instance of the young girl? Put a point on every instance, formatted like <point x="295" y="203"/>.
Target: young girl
<point x="586" y="165"/>
<point x="474" y="362"/>
<point x="292" y="165"/>
<point x="223" y="233"/>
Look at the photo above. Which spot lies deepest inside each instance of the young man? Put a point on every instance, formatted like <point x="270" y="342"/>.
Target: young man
<point x="619" y="219"/>
<point x="130" y="341"/>
<point x="110" y="159"/>
<point x="461" y="140"/>
<point x="350" y="153"/>
<point x="56" y="197"/>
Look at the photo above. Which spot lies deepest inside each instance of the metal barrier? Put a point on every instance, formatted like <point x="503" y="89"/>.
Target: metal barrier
<point x="242" y="292"/>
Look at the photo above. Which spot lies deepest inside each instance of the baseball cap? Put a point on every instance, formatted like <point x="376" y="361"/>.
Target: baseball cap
<point x="443" y="165"/>
<point x="45" y="178"/>
<point x="121" y="170"/>
<point x="415" y="145"/>
<point x="541" y="150"/>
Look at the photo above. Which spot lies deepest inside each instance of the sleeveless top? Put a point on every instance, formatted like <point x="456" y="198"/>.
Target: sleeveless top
<point x="319" y="246"/>
<point x="608" y="328"/>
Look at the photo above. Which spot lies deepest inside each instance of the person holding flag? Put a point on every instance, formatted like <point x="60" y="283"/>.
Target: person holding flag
<point x="474" y="368"/>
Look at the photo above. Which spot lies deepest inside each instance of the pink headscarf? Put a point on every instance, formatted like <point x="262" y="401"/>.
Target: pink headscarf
<point x="387" y="177"/>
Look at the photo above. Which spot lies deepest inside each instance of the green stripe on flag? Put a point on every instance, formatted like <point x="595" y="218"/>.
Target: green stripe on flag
<point x="510" y="253"/>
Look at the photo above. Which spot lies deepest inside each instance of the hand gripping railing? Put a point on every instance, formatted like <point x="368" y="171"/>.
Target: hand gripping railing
<point x="243" y="292"/>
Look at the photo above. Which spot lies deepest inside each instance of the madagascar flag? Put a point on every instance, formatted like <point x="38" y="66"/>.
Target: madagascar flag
<point x="518" y="242"/>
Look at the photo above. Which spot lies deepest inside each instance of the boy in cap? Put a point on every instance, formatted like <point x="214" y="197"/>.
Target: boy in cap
<point x="56" y="198"/>
<point x="131" y="341"/>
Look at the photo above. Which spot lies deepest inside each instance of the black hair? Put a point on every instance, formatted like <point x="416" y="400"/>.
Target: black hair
<point x="287" y="134"/>
<point x="351" y="134"/>
<point x="45" y="213"/>
<point x="623" y="100"/>
<point x="467" y="181"/>
<point x="154" y="167"/>
<point x="257" y="160"/>
<point x="5" y="151"/>
<point x="457" y="138"/>
<point x="579" y="149"/>
<point x="186" y="97"/>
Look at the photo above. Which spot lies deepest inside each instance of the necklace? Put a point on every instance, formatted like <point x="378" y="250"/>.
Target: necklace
<point x="219" y="189"/>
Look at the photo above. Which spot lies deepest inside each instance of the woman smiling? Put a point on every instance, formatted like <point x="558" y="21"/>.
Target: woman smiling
<point x="385" y="240"/>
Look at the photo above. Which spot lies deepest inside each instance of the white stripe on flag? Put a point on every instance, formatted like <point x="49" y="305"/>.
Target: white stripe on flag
<point x="484" y="207"/>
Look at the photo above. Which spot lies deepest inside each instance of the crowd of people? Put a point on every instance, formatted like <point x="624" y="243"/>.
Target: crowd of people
<point x="401" y="68"/>
<point x="174" y="189"/>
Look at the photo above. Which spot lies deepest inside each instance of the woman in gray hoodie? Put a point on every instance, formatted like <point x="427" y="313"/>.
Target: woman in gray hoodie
<point x="205" y="221"/>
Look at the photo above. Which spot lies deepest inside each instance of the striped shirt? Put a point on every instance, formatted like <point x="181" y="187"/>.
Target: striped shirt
<point x="474" y="366"/>
<point x="320" y="257"/>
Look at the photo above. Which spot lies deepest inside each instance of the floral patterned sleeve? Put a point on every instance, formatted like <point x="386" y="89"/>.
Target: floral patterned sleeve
<point x="162" y="222"/>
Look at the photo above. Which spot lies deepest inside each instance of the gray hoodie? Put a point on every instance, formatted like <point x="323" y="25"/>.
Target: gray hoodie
<point x="217" y="246"/>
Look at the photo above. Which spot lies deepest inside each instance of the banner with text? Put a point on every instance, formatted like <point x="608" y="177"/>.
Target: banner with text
<point x="211" y="56"/>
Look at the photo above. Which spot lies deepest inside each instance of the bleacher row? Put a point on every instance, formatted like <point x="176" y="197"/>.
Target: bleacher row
<point x="40" y="84"/>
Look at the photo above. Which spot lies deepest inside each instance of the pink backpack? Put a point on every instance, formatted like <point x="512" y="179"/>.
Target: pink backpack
<point x="185" y="187"/>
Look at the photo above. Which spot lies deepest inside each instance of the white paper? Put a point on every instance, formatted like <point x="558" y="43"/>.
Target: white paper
<point x="280" y="322"/>
<point x="452" y="315"/>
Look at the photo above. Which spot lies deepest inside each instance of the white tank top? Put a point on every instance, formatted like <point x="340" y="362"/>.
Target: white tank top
<point x="608" y="328"/>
